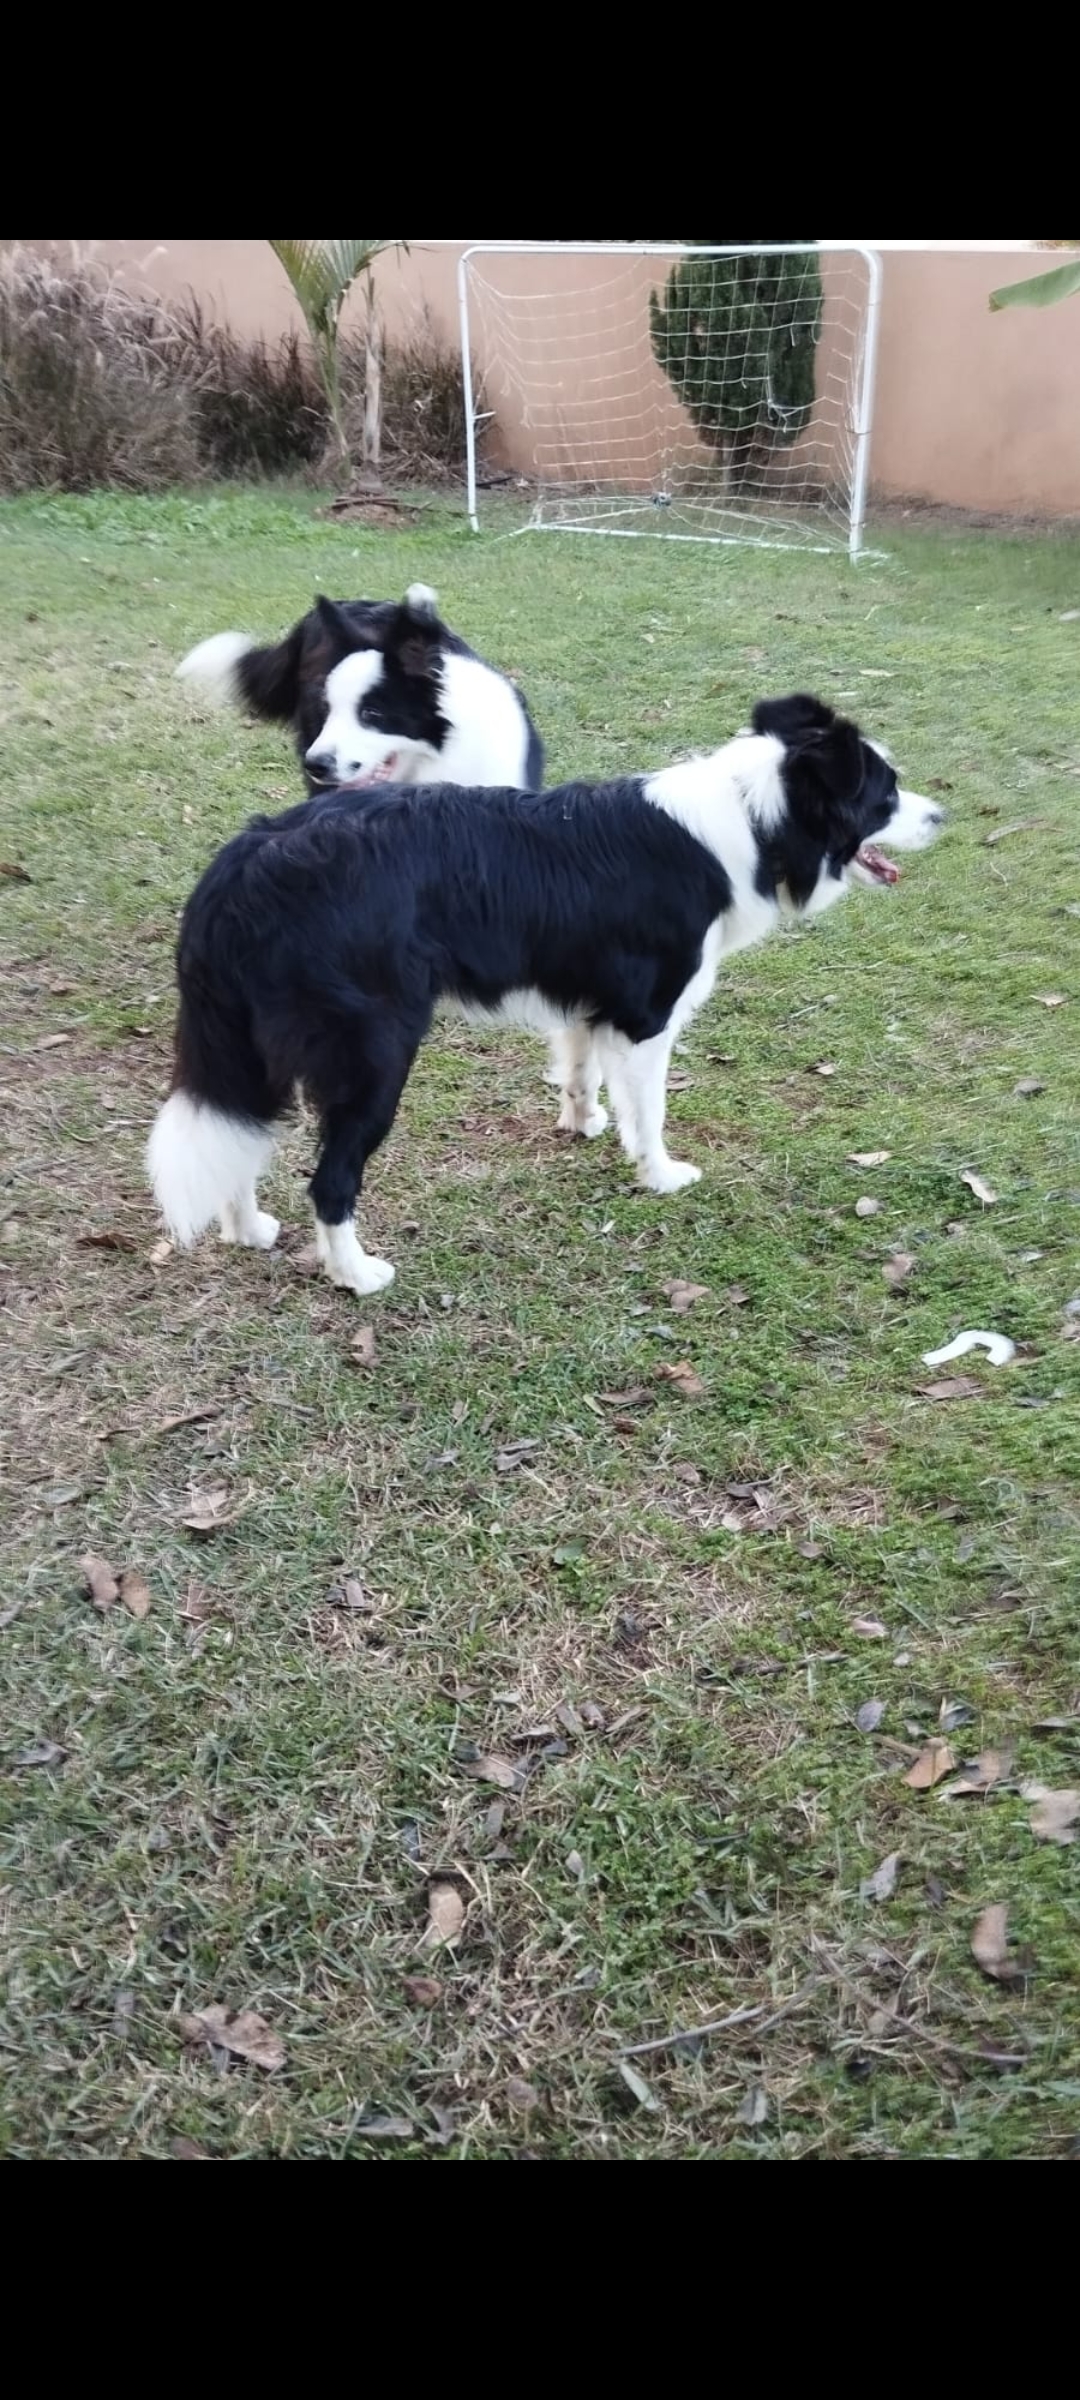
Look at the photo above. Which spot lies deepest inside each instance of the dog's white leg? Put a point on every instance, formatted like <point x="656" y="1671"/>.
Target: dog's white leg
<point x="613" y="1053"/>
<point x="347" y="1263"/>
<point x="244" y="1222"/>
<point x="646" y="1082"/>
<point x="555" y="1070"/>
<point x="579" y="1077"/>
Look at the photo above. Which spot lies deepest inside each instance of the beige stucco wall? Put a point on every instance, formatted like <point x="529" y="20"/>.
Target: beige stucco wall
<point x="978" y="409"/>
<point x="974" y="410"/>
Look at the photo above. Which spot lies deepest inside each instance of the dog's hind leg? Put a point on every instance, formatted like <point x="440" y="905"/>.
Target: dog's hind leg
<point x="575" y="1056"/>
<point x="356" y="1086"/>
<point x="636" y="1077"/>
<point x="244" y="1222"/>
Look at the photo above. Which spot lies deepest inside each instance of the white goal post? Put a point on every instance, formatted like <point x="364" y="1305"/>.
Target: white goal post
<point x="717" y="393"/>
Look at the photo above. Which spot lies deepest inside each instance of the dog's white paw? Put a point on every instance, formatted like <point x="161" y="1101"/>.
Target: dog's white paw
<point x="264" y="1232"/>
<point x="363" y="1276"/>
<point x="255" y="1232"/>
<point x="576" y="1118"/>
<point x="347" y="1263"/>
<point x="672" y="1176"/>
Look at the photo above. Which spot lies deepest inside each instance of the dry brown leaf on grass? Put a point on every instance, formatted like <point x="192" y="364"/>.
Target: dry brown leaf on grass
<point x="684" y="1378"/>
<point x="107" y="1239"/>
<point x="198" y="1604"/>
<point x="135" y="1593"/>
<point x="39" y="1754"/>
<point x="867" y="1207"/>
<point x="954" y="1387"/>
<point x="424" y="1991"/>
<point x="989" y="1946"/>
<point x="754" y="2109"/>
<point x="209" y="1510"/>
<point x="52" y="1041"/>
<point x="522" y="2097"/>
<point x="882" y="1883"/>
<point x="1053" y="1819"/>
<point x="446" y="1911"/>
<point x="869" y="1716"/>
<point x="897" y="1269"/>
<point x="1050" y="999"/>
<point x="932" y="1763"/>
<point x="1028" y="1087"/>
<point x="868" y="1158"/>
<point x="246" y="2035"/>
<point x="981" y="1190"/>
<point x="102" y="1586"/>
<point x="492" y="1769"/>
<point x="826" y="1068"/>
<point x="683" y="1295"/>
<point x="979" y="1774"/>
<point x="160" y="1252"/>
<point x="515" y="1455"/>
<point x="15" y="873"/>
<point x="183" y="2147"/>
<point x="351" y="1595"/>
<point x="871" y="1629"/>
<point x="362" y="1347"/>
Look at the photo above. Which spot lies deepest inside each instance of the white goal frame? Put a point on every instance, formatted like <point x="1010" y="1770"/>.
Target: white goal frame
<point x="860" y="405"/>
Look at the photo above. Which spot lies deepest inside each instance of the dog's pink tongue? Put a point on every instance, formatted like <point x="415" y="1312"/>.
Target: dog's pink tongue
<point x="877" y="864"/>
<point x="384" y="774"/>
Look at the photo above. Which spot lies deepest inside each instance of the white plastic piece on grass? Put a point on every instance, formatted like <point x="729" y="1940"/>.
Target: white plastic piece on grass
<point x="997" y="1346"/>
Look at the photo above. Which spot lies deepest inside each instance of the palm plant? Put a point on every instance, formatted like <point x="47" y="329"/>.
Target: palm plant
<point x="322" y="275"/>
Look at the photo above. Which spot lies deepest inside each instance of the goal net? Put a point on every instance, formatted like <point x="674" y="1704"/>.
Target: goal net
<point x="708" y="394"/>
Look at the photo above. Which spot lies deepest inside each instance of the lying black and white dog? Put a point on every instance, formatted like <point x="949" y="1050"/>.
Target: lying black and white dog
<point x="319" y="944"/>
<point x="379" y="690"/>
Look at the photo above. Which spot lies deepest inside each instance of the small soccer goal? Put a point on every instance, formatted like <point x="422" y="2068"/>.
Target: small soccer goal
<point x="706" y="393"/>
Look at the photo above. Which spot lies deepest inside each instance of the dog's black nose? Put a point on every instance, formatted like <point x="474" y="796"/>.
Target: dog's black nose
<point x="321" y="764"/>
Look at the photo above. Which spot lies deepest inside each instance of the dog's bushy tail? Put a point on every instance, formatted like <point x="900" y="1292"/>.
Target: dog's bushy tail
<point x="214" y="1136"/>
<point x="231" y="668"/>
<point x="203" y="1163"/>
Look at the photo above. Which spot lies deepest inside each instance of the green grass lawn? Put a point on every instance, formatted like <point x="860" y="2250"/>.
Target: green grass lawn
<point x="605" y="1686"/>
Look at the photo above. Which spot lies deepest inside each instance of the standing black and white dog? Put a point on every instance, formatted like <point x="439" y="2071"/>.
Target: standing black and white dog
<point x="319" y="944"/>
<point x="377" y="690"/>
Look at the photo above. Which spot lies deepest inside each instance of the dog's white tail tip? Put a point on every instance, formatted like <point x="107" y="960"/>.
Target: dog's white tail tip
<point x="421" y="600"/>
<point x="213" y="664"/>
<point x="201" y="1163"/>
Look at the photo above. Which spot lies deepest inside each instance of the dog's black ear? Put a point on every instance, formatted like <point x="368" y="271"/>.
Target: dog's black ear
<point x="791" y="720"/>
<point x="415" y="638"/>
<point x="346" y="630"/>
<point x="824" y="776"/>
